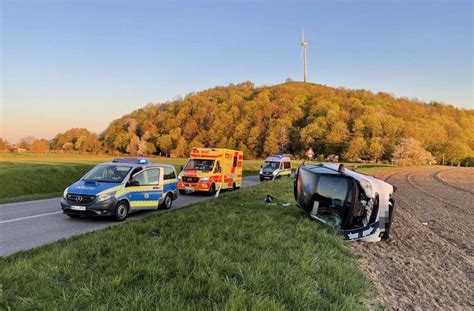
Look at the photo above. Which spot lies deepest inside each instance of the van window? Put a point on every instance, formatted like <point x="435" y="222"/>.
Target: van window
<point x="148" y="177"/>
<point x="218" y="167"/>
<point x="235" y="162"/>
<point x="286" y="164"/>
<point x="169" y="173"/>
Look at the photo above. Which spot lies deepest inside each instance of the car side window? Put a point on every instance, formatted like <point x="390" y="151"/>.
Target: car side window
<point x="169" y="173"/>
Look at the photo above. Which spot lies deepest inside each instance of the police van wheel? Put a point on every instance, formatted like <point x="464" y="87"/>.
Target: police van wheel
<point x="121" y="211"/>
<point x="168" y="202"/>
<point x="212" y="189"/>
<point x="182" y="191"/>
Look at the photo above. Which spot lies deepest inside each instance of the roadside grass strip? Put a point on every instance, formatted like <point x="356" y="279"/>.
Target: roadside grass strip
<point x="234" y="252"/>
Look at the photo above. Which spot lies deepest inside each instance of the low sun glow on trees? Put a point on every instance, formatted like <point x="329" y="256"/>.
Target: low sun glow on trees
<point x="291" y="118"/>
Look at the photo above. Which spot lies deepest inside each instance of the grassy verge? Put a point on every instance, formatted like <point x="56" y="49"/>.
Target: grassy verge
<point x="234" y="252"/>
<point x="22" y="181"/>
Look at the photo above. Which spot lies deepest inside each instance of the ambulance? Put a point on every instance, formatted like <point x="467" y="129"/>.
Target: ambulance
<point x="211" y="169"/>
<point x="275" y="166"/>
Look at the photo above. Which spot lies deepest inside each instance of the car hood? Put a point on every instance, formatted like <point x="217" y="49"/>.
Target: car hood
<point x="90" y="187"/>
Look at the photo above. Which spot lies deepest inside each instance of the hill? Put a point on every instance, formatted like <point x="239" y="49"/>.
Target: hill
<point x="291" y="117"/>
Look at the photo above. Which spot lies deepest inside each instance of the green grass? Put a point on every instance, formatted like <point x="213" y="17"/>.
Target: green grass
<point x="22" y="181"/>
<point x="234" y="252"/>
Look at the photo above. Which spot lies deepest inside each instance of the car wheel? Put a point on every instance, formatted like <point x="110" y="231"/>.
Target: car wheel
<point x="262" y="179"/>
<point x="234" y="187"/>
<point x="121" y="211"/>
<point x="73" y="216"/>
<point x="212" y="189"/>
<point x="182" y="191"/>
<point x="168" y="202"/>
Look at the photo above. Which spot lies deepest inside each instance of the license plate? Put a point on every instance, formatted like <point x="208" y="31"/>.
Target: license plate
<point x="78" y="208"/>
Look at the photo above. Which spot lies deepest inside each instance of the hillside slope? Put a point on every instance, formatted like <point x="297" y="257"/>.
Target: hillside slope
<point x="291" y="117"/>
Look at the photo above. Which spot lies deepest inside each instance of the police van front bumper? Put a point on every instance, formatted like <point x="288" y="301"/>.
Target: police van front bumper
<point x="103" y="208"/>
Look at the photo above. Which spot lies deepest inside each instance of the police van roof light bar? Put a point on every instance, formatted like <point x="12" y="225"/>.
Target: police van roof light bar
<point x="128" y="160"/>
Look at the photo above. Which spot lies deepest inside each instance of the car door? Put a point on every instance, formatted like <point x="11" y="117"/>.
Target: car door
<point x="146" y="189"/>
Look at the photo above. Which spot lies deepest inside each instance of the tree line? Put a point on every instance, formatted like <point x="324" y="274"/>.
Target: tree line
<point x="356" y="125"/>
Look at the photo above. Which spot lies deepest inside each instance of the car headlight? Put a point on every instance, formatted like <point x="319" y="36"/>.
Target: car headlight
<point x="106" y="196"/>
<point x="365" y="184"/>
<point x="204" y="180"/>
<point x="65" y="193"/>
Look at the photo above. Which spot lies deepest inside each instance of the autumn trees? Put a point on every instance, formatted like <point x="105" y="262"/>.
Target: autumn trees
<point x="291" y="117"/>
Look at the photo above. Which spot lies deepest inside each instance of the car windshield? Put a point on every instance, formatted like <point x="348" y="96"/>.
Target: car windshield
<point x="271" y="165"/>
<point x="199" y="165"/>
<point x="330" y="199"/>
<point x="107" y="173"/>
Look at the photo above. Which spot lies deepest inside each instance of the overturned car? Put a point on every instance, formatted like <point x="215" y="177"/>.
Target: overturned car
<point x="360" y="206"/>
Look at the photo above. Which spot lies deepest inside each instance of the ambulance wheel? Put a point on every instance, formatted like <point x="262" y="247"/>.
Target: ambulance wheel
<point x="234" y="187"/>
<point x="182" y="191"/>
<point x="168" y="202"/>
<point x="73" y="216"/>
<point x="121" y="211"/>
<point x="212" y="189"/>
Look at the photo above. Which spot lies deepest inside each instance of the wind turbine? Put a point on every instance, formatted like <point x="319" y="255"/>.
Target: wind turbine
<point x="304" y="45"/>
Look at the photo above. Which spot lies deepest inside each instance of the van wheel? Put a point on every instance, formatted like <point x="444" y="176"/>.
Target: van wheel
<point x="212" y="189"/>
<point x="234" y="187"/>
<point x="182" y="191"/>
<point x="168" y="202"/>
<point x="121" y="211"/>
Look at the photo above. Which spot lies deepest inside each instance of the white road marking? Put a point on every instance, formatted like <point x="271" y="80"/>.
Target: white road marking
<point x="23" y="218"/>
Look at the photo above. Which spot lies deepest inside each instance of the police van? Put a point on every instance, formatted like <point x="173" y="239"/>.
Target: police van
<point x="275" y="167"/>
<point x="121" y="187"/>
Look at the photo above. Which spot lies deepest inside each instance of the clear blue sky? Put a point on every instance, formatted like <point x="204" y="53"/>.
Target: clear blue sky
<point x="82" y="64"/>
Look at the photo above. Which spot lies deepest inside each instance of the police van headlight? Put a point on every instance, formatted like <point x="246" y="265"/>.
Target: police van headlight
<point x="106" y="196"/>
<point x="204" y="180"/>
<point x="65" y="193"/>
<point x="365" y="184"/>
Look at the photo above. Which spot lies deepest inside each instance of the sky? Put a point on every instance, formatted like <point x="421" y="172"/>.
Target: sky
<point x="72" y="63"/>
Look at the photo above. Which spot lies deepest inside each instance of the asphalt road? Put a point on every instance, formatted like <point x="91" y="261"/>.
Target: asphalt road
<point x="30" y="224"/>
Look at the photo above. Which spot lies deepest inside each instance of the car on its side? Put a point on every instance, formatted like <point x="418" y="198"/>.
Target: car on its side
<point x="121" y="187"/>
<point x="360" y="206"/>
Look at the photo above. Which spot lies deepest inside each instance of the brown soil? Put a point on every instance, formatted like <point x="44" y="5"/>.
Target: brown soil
<point x="428" y="261"/>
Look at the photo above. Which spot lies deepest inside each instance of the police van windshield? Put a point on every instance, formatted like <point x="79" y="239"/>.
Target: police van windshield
<point x="107" y="173"/>
<point x="199" y="165"/>
<point x="271" y="165"/>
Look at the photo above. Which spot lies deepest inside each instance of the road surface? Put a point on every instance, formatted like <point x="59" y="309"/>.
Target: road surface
<point x="30" y="224"/>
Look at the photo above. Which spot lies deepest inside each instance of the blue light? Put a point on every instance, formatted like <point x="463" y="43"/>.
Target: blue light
<point x="134" y="161"/>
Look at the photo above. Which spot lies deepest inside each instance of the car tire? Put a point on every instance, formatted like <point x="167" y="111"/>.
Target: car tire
<point x="168" y="202"/>
<point x="73" y="216"/>
<point x="212" y="189"/>
<point x="262" y="179"/>
<point x="182" y="191"/>
<point x="121" y="211"/>
<point x="234" y="187"/>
